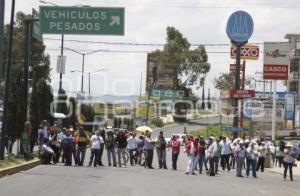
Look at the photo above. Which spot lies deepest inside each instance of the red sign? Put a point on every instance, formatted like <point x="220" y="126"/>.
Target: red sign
<point x="240" y="94"/>
<point x="233" y="67"/>
<point x="276" y="72"/>
<point x="250" y="52"/>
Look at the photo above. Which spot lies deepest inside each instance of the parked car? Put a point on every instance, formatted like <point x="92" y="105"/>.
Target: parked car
<point x="297" y="152"/>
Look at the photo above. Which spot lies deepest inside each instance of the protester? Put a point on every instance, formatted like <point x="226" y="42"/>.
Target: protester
<point x="46" y="152"/>
<point x="102" y="144"/>
<point x="121" y="142"/>
<point x="132" y="147"/>
<point x="42" y="133"/>
<point x="67" y="143"/>
<point x="74" y="146"/>
<point x="82" y="142"/>
<point x="232" y="156"/>
<point x="175" y="146"/>
<point x="26" y="140"/>
<point x="251" y="159"/>
<point x="161" y="146"/>
<point x="148" y="150"/>
<point x="288" y="160"/>
<point x="140" y="151"/>
<point x="192" y="150"/>
<point x="225" y="153"/>
<point x="262" y="152"/>
<point x="202" y="155"/>
<point x="110" y="143"/>
<point x="54" y="144"/>
<point x="211" y="155"/>
<point x="95" y="147"/>
<point x="217" y="156"/>
<point x="240" y="154"/>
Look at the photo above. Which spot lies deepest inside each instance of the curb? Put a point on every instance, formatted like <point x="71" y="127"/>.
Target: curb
<point x="16" y="169"/>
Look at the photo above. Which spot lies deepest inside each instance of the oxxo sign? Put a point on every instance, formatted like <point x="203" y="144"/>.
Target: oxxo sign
<point x="82" y="20"/>
<point x="250" y="52"/>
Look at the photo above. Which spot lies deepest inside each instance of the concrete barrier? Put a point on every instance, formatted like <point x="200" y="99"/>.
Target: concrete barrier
<point x="18" y="168"/>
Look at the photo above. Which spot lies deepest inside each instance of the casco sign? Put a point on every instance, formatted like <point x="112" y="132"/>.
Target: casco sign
<point x="250" y="52"/>
<point x="276" y="72"/>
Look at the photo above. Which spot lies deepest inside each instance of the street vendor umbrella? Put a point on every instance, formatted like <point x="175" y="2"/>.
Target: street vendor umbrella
<point x="143" y="129"/>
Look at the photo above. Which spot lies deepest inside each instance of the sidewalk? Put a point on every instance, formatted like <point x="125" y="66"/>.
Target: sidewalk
<point x="278" y="170"/>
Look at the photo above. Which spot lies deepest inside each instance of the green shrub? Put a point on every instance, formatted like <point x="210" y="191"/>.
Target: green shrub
<point x="157" y="122"/>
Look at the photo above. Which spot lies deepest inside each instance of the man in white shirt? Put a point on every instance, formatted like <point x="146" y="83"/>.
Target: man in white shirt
<point x="211" y="152"/>
<point x="132" y="147"/>
<point x="96" y="140"/>
<point x="46" y="152"/>
<point x="225" y="153"/>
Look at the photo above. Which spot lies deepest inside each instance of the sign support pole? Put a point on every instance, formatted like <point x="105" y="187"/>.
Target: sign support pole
<point x="2" y="10"/>
<point x="237" y="87"/>
<point x="243" y="88"/>
<point x="274" y="112"/>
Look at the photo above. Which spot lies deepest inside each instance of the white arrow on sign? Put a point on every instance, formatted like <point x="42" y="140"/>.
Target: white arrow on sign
<point x="115" y="20"/>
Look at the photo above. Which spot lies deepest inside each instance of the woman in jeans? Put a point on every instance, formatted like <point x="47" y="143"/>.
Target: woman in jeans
<point x="288" y="161"/>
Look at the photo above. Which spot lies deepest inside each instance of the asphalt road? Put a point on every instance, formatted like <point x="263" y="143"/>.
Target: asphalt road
<point x="190" y="126"/>
<point x="136" y="181"/>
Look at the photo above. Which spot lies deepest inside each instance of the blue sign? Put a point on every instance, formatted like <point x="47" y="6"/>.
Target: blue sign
<point x="234" y="129"/>
<point x="240" y="27"/>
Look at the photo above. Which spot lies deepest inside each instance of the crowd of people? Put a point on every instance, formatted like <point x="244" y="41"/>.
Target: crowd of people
<point x="248" y="155"/>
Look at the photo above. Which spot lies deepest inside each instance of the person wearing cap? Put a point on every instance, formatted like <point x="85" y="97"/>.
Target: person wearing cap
<point x="251" y="159"/>
<point x="211" y="153"/>
<point x="225" y="153"/>
<point x="262" y="153"/>
<point x="288" y="160"/>
<point x="192" y="149"/>
<point x="240" y="154"/>
<point x="161" y="146"/>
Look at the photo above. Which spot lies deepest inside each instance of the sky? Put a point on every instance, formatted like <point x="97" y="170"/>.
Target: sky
<point x="200" y="21"/>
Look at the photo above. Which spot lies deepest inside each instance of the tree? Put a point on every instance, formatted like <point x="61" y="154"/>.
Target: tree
<point x="87" y="114"/>
<point x="40" y="78"/>
<point x="225" y="81"/>
<point x="73" y="118"/>
<point x="190" y="65"/>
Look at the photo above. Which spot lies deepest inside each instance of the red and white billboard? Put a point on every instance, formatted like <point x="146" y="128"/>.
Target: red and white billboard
<point x="240" y="94"/>
<point x="276" y="72"/>
<point x="249" y="52"/>
<point x="276" y="60"/>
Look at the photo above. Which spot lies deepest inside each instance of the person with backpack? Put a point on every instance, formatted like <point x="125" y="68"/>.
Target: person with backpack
<point x="110" y="143"/>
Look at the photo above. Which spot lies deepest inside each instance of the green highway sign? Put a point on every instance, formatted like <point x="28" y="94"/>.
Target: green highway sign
<point x="36" y="29"/>
<point x="82" y="20"/>
<point x="167" y="93"/>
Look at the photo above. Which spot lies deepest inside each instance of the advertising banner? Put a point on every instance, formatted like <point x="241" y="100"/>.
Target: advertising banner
<point x="276" y="60"/>
<point x="248" y="52"/>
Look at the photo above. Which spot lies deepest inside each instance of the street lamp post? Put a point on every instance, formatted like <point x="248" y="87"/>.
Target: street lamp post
<point x="89" y="75"/>
<point x="83" y="61"/>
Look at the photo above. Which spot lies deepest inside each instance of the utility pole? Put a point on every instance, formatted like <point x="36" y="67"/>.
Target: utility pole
<point x="7" y="80"/>
<point x="141" y="84"/>
<point x="2" y="10"/>
<point x="89" y="83"/>
<point x="82" y="71"/>
<point x="61" y="56"/>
